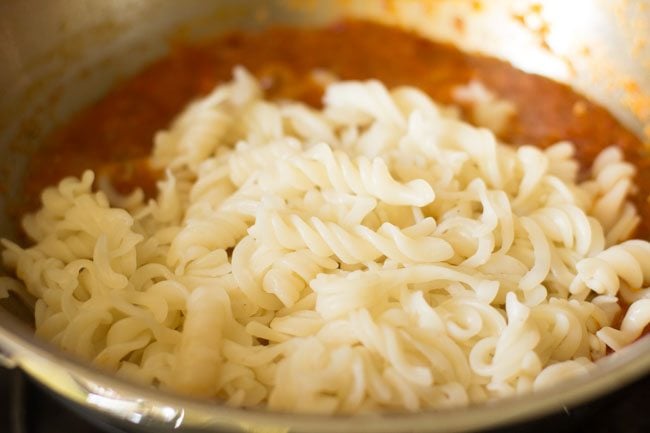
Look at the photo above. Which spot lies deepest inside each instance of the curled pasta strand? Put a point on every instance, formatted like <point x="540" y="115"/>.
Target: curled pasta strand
<point x="569" y="226"/>
<point x="628" y="263"/>
<point x="291" y="272"/>
<point x="350" y="246"/>
<point x="222" y="230"/>
<point x="635" y="321"/>
<point x="248" y="159"/>
<point x="328" y="169"/>
<point x="360" y="102"/>
<point x="198" y="357"/>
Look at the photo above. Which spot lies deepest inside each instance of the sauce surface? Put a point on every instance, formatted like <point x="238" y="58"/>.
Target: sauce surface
<point x="115" y="135"/>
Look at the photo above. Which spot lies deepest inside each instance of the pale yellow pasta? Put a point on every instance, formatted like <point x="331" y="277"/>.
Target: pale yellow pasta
<point x="377" y="254"/>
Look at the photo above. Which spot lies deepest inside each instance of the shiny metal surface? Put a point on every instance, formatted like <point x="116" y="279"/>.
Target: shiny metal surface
<point x="59" y="55"/>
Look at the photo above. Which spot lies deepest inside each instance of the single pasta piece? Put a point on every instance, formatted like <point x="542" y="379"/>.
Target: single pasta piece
<point x="198" y="357"/>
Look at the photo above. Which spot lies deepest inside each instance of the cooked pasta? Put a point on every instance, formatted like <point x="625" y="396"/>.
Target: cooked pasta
<point x="378" y="254"/>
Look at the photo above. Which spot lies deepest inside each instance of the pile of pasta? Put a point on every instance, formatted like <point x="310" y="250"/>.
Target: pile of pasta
<point x="376" y="254"/>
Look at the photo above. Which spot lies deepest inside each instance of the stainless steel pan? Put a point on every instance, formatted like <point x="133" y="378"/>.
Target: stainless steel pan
<point x="57" y="56"/>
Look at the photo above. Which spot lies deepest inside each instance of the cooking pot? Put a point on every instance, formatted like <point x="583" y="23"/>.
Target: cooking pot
<point x="58" y="56"/>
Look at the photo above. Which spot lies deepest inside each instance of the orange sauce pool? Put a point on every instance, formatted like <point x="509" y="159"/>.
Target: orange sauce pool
<point x="114" y="135"/>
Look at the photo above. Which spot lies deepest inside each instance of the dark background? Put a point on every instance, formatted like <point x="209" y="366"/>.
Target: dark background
<point x="25" y="407"/>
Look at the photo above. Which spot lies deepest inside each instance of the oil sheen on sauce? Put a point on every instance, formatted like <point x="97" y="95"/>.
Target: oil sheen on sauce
<point x="115" y="135"/>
